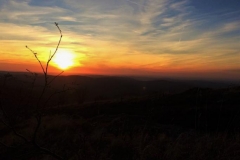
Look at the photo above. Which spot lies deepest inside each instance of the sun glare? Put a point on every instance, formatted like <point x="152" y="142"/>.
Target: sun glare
<point x="63" y="59"/>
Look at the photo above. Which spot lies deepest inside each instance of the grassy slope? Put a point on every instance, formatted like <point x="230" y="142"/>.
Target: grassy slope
<point x="195" y="124"/>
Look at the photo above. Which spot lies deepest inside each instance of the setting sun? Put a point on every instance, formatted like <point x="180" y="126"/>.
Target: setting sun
<point x="63" y="59"/>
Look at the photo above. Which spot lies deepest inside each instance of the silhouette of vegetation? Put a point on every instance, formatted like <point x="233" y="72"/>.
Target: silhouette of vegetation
<point x="38" y="106"/>
<point x="115" y="118"/>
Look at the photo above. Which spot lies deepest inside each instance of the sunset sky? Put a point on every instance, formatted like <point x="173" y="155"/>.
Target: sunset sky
<point x="182" y="38"/>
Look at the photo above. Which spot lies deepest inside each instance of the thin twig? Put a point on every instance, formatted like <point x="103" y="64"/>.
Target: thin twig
<point x="49" y="60"/>
<point x="9" y="126"/>
<point x="39" y="120"/>
<point x="46" y="84"/>
<point x="47" y="151"/>
<point x="15" y="132"/>
<point x="4" y="145"/>
<point x="55" y="77"/>
<point x="35" y="54"/>
<point x="62" y="91"/>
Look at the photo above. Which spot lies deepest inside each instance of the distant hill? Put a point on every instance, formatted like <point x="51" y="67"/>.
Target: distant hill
<point x="110" y="87"/>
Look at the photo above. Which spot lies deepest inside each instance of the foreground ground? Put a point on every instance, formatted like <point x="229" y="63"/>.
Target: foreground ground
<point x="195" y="124"/>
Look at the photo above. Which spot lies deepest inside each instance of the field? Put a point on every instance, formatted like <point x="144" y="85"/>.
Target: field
<point x="99" y="117"/>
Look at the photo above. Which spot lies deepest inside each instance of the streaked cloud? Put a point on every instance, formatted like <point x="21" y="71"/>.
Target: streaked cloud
<point x="136" y="34"/>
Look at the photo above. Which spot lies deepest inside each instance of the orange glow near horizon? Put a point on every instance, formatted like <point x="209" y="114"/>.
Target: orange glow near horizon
<point x="128" y="40"/>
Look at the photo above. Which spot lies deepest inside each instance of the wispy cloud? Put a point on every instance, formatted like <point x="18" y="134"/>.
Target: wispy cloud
<point x="127" y="33"/>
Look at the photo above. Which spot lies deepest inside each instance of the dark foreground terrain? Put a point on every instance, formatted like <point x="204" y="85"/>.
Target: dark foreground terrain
<point x="120" y="119"/>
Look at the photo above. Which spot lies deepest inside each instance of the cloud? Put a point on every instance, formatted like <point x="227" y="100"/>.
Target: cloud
<point x="134" y="33"/>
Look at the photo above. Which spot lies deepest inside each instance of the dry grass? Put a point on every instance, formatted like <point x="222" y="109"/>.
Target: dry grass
<point x="79" y="138"/>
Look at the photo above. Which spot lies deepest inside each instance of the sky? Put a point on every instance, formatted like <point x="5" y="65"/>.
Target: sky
<point x="181" y="38"/>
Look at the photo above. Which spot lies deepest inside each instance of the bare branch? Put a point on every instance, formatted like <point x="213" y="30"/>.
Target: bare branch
<point x="47" y="151"/>
<point x="14" y="131"/>
<point x="38" y="111"/>
<point x="62" y="91"/>
<point x="4" y="145"/>
<point x="39" y="120"/>
<point x="9" y="126"/>
<point x="50" y="54"/>
<point x="56" y="47"/>
<point x="29" y="71"/>
<point x="35" y="54"/>
<point x="55" y="77"/>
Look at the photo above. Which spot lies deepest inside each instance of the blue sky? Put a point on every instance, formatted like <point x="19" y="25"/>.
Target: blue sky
<point x="140" y="35"/>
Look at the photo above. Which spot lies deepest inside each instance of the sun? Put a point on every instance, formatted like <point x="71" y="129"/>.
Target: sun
<point x="63" y="59"/>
